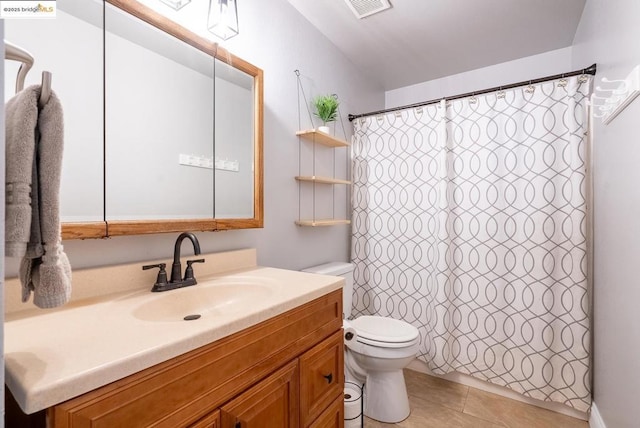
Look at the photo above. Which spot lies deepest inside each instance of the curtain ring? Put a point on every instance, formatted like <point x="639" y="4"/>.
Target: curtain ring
<point x="530" y="89"/>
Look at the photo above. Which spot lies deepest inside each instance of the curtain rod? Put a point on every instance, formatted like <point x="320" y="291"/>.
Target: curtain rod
<point x="589" y="70"/>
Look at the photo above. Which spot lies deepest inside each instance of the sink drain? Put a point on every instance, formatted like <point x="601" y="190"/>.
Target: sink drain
<point x="192" y="317"/>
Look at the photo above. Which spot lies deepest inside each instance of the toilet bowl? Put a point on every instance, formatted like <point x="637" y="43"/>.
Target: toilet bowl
<point x="383" y="347"/>
<point x="375" y="357"/>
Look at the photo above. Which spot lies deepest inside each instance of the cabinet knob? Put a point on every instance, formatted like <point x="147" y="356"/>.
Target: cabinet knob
<point x="328" y="377"/>
<point x="238" y="425"/>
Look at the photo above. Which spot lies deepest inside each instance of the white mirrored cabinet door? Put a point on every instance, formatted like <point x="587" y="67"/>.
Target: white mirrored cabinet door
<point x="159" y="123"/>
<point x="72" y="52"/>
<point x="234" y="142"/>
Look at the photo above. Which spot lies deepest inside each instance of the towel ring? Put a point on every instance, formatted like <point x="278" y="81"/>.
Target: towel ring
<point x="15" y="53"/>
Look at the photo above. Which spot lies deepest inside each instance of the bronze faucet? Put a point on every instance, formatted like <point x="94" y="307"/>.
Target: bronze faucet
<point x="177" y="281"/>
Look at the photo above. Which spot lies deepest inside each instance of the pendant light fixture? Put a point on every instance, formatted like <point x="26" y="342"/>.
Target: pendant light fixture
<point x="223" y="18"/>
<point x="176" y="4"/>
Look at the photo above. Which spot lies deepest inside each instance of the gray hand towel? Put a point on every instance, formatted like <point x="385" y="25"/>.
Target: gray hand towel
<point x="21" y="119"/>
<point x="45" y="268"/>
<point x="34" y="246"/>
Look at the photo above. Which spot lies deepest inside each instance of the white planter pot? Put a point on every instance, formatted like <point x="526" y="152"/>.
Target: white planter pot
<point x="324" y="129"/>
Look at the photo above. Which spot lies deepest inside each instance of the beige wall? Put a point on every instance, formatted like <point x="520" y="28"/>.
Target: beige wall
<point x="609" y="35"/>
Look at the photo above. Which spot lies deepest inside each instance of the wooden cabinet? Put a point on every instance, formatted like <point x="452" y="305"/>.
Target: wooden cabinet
<point x="332" y="417"/>
<point x="271" y="403"/>
<point x="212" y="420"/>
<point x="321" y="378"/>
<point x="269" y="375"/>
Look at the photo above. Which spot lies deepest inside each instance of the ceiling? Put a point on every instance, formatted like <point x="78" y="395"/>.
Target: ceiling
<point x="421" y="40"/>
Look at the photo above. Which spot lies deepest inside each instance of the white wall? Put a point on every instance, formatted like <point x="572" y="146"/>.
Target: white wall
<point x="276" y="38"/>
<point x="532" y="67"/>
<point x="609" y="35"/>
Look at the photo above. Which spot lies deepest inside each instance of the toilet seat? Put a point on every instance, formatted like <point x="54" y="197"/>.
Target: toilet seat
<point x="384" y="332"/>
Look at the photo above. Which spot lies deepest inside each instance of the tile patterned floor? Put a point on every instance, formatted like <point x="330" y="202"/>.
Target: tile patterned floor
<point x="439" y="403"/>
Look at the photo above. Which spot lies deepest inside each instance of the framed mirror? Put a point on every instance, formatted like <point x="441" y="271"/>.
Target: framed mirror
<point x="163" y="128"/>
<point x="193" y="160"/>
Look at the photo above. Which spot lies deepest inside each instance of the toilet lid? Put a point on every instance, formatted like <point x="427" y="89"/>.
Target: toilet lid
<point x="384" y="330"/>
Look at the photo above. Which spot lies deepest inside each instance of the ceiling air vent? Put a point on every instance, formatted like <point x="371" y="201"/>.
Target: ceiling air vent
<point x="364" y="8"/>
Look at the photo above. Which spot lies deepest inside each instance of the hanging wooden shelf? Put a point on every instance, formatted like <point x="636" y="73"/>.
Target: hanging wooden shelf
<point x="322" y="138"/>
<point x="316" y="223"/>
<point x="323" y="180"/>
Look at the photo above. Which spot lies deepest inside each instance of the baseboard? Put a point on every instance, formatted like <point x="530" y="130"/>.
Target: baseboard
<point x="595" y="420"/>
<point x="421" y="366"/>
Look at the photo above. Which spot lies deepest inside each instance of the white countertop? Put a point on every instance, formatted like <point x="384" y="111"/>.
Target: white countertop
<point x="51" y="357"/>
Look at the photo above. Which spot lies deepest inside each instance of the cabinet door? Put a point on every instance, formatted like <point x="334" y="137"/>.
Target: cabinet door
<point x="271" y="403"/>
<point x="212" y="420"/>
<point x="321" y="377"/>
<point x="333" y="417"/>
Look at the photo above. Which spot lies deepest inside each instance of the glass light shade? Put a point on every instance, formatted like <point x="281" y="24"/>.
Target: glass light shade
<point x="223" y="18"/>
<point x="176" y="4"/>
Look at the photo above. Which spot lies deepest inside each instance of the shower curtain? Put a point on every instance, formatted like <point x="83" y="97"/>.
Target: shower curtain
<point x="470" y="223"/>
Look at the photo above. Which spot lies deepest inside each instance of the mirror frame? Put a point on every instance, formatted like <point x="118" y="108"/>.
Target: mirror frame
<point x="108" y="228"/>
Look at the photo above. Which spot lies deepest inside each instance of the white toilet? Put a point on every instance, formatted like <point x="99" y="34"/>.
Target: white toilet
<point x="381" y="348"/>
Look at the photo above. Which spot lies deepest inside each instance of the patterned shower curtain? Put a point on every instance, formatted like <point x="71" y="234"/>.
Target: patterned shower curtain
<point x="470" y="223"/>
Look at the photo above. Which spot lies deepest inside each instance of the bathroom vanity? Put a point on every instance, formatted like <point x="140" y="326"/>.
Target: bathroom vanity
<point x="261" y="359"/>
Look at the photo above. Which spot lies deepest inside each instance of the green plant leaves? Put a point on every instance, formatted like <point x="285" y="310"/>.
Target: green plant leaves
<point x="326" y="108"/>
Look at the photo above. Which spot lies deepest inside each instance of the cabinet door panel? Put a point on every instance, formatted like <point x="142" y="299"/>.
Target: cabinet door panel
<point x="321" y="377"/>
<point x="212" y="420"/>
<point x="273" y="402"/>
<point x="333" y="417"/>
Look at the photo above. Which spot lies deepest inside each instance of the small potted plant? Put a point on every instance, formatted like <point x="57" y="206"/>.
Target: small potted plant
<point x="326" y="109"/>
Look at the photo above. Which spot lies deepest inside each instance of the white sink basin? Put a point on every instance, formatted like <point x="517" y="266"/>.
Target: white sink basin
<point x="223" y="296"/>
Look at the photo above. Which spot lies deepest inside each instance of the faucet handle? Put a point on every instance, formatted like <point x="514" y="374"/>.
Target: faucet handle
<point x="162" y="266"/>
<point x="161" y="280"/>
<point x="188" y="273"/>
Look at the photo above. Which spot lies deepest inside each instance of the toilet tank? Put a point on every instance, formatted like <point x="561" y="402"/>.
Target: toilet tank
<point x="344" y="270"/>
